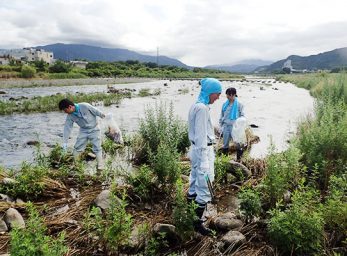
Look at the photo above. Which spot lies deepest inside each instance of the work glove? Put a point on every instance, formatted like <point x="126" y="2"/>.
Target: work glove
<point x="64" y="147"/>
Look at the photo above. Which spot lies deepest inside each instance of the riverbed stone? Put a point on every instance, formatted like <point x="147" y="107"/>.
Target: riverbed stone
<point x="233" y="238"/>
<point x="3" y="226"/>
<point x="103" y="200"/>
<point x="164" y="228"/>
<point x="14" y="218"/>
<point x="7" y="181"/>
<point x="228" y="221"/>
<point x="5" y="198"/>
<point x="32" y="142"/>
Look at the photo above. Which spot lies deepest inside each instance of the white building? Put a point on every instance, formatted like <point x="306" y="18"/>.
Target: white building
<point x="4" y="60"/>
<point x="79" y="63"/>
<point x="32" y="54"/>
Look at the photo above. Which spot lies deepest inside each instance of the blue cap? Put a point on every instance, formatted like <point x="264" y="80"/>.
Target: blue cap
<point x="208" y="86"/>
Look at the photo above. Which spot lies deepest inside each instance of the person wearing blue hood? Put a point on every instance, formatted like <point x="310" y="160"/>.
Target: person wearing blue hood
<point x="201" y="135"/>
<point x="84" y="115"/>
<point x="232" y="109"/>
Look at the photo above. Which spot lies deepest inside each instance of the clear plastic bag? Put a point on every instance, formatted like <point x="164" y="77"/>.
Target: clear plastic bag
<point x="112" y="130"/>
<point x="238" y="132"/>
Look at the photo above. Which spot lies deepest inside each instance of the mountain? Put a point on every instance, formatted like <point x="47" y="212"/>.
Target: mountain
<point x="326" y="60"/>
<point x="245" y="66"/>
<point x="94" y="53"/>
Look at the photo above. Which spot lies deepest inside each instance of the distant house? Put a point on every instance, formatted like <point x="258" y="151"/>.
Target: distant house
<point x="5" y="60"/>
<point x="32" y="54"/>
<point x="79" y="63"/>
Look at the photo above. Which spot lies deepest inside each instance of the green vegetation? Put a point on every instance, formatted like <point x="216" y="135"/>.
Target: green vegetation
<point x="114" y="230"/>
<point x="183" y="213"/>
<point x="129" y="68"/>
<point x="250" y="204"/>
<point x="32" y="240"/>
<point x="317" y="82"/>
<point x="50" y="103"/>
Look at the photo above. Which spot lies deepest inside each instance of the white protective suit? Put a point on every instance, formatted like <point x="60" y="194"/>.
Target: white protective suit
<point x="85" y="117"/>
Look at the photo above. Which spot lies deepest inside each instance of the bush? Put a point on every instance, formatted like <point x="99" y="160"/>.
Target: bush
<point x="165" y="164"/>
<point x="322" y="140"/>
<point x="281" y="173"/>
<point x="335" y="206"/>
<point x="250" y="204"/>
<point x="28" y="71"/>
<point x="160" y="125"/>
<point x="60" y="67"/>
<point x="221" y="165"/>
<point x="183" y="213"/>
<point x="113" y="230"/>
<point x="29" y="184"/>
<point x="32" y="239"/>
<point x="142" y="181"/>
<point x="298" y="229"/>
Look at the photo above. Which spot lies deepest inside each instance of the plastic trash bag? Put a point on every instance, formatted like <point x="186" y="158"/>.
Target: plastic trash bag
<point x="112" y="130"/>
<point x="238" y="132"/>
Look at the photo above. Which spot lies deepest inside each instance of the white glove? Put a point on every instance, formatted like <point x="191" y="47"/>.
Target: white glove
<point x="64" y="146"/>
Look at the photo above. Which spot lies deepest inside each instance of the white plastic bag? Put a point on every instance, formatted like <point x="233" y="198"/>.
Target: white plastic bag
<point x="238" y="132"/>
<point x="112" y="130"/>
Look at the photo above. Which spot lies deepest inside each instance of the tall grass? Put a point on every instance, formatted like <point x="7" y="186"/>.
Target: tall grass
<point x="318" y="82"/>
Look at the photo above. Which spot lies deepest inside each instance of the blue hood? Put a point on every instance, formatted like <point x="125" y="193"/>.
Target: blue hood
<point x="208" y="86"/>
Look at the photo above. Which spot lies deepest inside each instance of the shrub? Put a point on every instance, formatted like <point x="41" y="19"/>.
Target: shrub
<point x="32" y="239"/>
<point x="335" y="206"/>
<point x="28" y="71"/>
<point x="142" y="181"/>
<point x="29" y="184"/>
<point x="183" y="213"/>
<point x="114" y="230"/>
<point x="322" y="140"/>
<point x="298" y="229"/>
<point x="221" y="165"/>
<point x="281" y="173"/>
<point x="160" y="125"/>
<point x="165" y="164"/>
<point x="250" y="204"/>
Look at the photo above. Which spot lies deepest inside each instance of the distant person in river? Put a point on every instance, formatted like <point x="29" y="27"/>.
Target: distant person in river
<point x="201" y="136"/>
<point x="84" y="115"/>
<point x="232" y="109"/>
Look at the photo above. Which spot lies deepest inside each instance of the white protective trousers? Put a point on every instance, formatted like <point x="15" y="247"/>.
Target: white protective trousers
<point x="197" y="178"/>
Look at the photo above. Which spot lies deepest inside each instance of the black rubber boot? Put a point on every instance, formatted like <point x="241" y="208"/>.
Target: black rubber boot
<point x="239" y="152"/>
<point x="198" y="226"/>
<point x="191" y="198"/>
<point x="225" y="151"/>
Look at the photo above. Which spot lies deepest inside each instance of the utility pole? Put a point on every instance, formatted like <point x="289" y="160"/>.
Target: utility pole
<point x="157" y="56"/>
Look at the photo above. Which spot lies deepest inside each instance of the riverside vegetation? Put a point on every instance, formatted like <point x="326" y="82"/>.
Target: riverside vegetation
<point x="130" y="68"/>
<point x="295" y="203"/>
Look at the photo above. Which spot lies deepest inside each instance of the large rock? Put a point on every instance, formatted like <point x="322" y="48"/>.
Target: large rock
<point x="234" y="238"/>
<point x="14" y="218"/>
<point x="168" y="229"/>
<point x="8" y="181"/>
<point x="103" y="200"/>
<point x="6" y="198"/>
<point x="227" y="221"/>
<point x="3" y="226"/>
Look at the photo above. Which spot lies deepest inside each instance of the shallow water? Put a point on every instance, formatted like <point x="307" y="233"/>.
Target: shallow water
<point x="276" y="112"/>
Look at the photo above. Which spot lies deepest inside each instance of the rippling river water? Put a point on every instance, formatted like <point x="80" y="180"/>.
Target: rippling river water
<point x="275" y="107"/>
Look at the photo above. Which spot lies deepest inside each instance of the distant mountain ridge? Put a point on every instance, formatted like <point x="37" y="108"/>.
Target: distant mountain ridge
<point x="94" y="53"/>
<point x="326" y="60"/>
<point x="245" y="66"/>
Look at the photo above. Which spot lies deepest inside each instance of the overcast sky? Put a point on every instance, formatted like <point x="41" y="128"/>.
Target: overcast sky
<point x="197" y="32"/>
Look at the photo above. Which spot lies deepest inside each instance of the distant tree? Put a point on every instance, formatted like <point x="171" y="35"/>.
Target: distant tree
<point x="40" y="65"/>
<point x="60" y="67"/>
<point x="132" y="62"/>
<point x="151" y="64"/>
<point x="28" y="71"/>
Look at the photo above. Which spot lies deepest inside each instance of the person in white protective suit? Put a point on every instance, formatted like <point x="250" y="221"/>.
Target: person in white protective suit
<point x="84" y="115"/>
<point x="232" y="109"/>
<point x="201" y="135"/>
